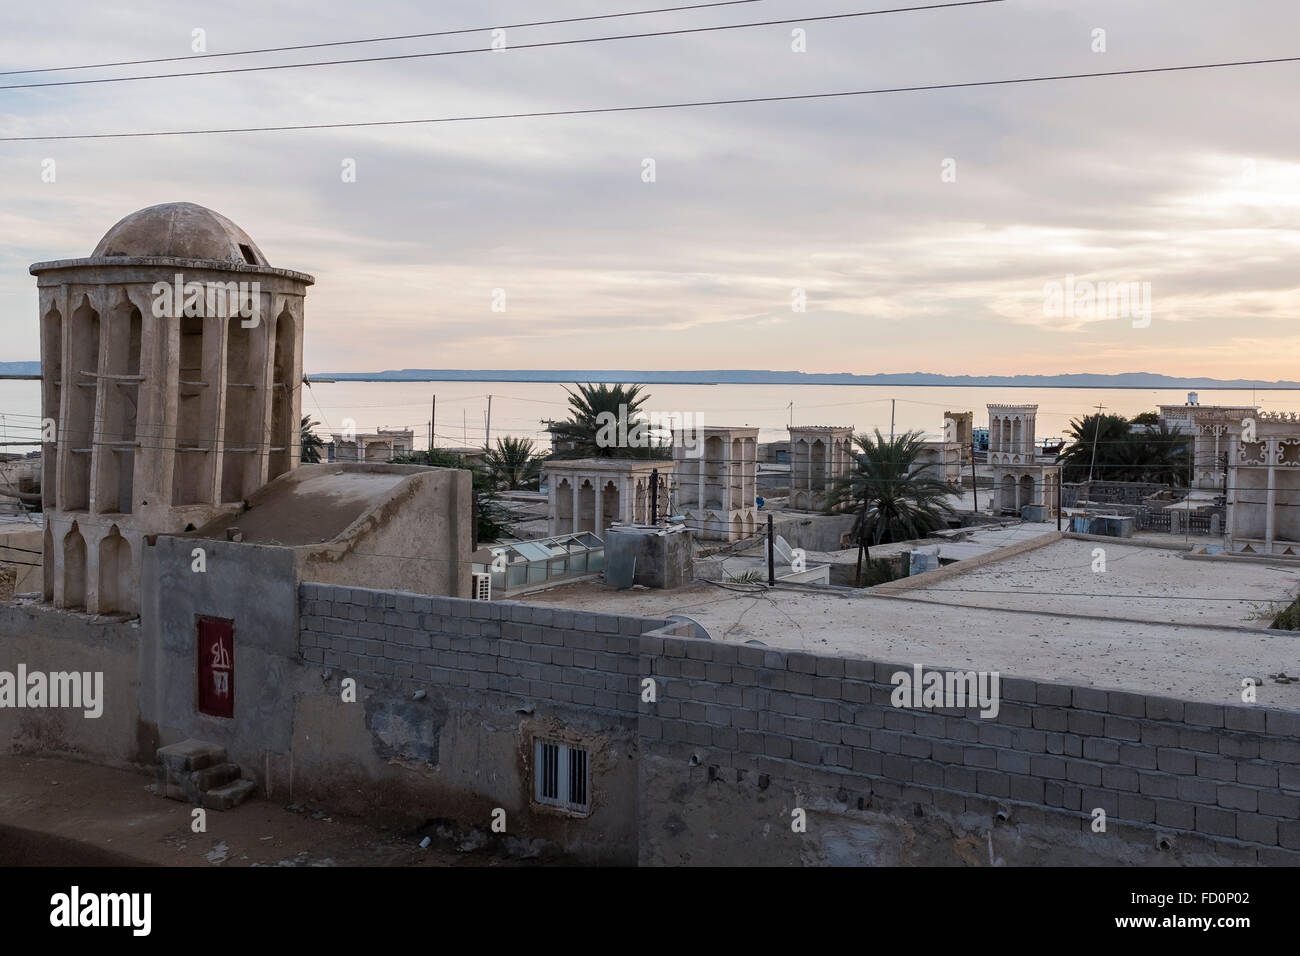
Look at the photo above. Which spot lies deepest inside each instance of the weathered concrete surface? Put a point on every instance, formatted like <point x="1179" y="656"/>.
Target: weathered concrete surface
<point x="405" y="527"/>
<point x="48" y="640"/>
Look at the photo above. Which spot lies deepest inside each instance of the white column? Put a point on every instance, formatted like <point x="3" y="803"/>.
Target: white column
<point x="1269" y="507"/>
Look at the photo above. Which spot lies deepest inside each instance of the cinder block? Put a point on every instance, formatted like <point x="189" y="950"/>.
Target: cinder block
<point x="1288" y="834"/>
<point x="1059" y="695"/>
<point x="1157" y="785"/>
<point x="859" y="669"/>
<point x="1277" y="804"/>
<point x="1203" y="715"/>
<point x="1257" y="774"/>
<point x="993" y="783"/>
<point x="1026" y="789"/>
<point x="1018" y="689"/>
<point x="1203" y="741"/>
<point x="1245" y="718"/>
<point x="1089" y="698"/>
<point x="994" y="735"/>
<point x="1239" y="746"/>
<point x="801" y="663"/>
<point x="1087" y="774"/>
<point x="1253" y="828"/>
<point x="985" y="757"/>
<point x="1137" y="809"/>
<point x="1216" y="768"/>
<point x="1119" y="778"/>
<point x="1099" y="748"/>
<point x="960" y="778"/>
<point x="1283" y="723"/>
<point x="829" y="667"/>
<point x="1238" y="798"/>
<point x="1049" y="718"/>
<point x="1216" y="821"/>
<point x="1175" y="761"/>
<point x="1136" y="755"/>
<point x="1086" y="723"/>
<point x="1123" y="728"/>
<point x="1164" y="708"/>
<point x="1170" y="813"/>
<point x="1123" y="704"/>
<point x="1047" y="766"/>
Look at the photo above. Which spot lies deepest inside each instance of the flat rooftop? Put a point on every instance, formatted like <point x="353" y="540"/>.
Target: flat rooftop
<point x="1153" y="622"/>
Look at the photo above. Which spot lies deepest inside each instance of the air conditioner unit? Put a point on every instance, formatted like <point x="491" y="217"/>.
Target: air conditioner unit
<point x="482" y="586"/>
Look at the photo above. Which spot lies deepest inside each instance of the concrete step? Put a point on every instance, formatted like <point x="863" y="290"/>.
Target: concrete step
<point x="190" y="755"/>
<point x="229" y="796"/>
<point x="210" y="778"/>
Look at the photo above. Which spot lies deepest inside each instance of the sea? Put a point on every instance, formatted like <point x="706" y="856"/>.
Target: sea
<point x="522" y="409"/>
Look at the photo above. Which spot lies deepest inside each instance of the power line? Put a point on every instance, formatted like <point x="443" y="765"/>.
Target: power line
<point x="488" y="49"/>
<point x="661" y="106"/>
<point x="408" y="36"/>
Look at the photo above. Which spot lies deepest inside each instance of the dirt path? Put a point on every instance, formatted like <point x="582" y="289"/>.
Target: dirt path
<point x="56" y="812"/>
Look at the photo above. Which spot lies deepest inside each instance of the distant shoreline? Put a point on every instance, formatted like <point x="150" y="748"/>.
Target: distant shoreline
<point x="1128" y="381"/>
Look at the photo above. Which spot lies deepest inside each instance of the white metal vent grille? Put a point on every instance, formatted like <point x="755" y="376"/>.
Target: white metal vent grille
<point x="562" y="775"/>
<point x="482" y="587"/>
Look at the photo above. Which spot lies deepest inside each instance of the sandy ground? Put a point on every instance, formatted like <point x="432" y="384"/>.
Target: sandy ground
<point x="1084" y="642"/>
<point x="64" y="813"/>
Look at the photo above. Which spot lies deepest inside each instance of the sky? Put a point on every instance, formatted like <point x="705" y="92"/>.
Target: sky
<point x="924" y="231"/>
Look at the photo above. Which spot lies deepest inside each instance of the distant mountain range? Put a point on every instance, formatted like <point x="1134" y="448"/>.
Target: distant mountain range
<point x="766" y="377"/>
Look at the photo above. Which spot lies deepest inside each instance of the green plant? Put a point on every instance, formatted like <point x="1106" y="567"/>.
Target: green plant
<point x="514" y="463"/>
<point x="312" y="445"/>
<point x="602" y="424"/>
<point x="895" y="497"/>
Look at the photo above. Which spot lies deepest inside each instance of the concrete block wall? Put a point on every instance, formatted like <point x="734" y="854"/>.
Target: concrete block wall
<point x="729" y="721"/>
<point x="738" y="736"/>
<point x="413" y="641"/>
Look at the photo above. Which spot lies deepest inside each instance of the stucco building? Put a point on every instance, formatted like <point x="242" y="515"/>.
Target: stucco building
<point x="820" y="455"/>
<point x="717" y="481"/>
<point x="1020" y="477"/>
<point x="590" y="494"/>
<point x="382" y="445"/>
<point x="171" y="359"/>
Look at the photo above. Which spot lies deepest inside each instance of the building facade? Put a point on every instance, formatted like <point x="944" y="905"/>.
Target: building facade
<point x="1020" y="478"/>
<point x="717" y="481"/>
<point x="382" y="445"/>
<point x="170" y="360"/>
<point x="590" y="494"/>
<point x="820" y="455"/>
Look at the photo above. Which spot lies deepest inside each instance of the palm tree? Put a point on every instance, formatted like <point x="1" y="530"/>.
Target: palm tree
<point x="514" y="463"/>
<point x="311" y="442"/>
<point x="1110" y="448"/>
<point x="896" y="497"/>
<point x="602" y="424"/>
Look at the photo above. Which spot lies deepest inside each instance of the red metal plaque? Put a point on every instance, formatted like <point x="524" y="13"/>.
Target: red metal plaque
<point x="216" y="643"/>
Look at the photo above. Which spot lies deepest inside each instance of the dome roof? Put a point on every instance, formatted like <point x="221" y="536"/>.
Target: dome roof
<point x="181" y="230"/>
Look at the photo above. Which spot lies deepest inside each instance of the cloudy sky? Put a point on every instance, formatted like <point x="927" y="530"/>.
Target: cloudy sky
<point x="1187" y="181"/>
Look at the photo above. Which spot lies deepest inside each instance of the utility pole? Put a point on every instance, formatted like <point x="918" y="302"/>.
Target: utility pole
<point x="487" y="443"/>
<point x="1095" y="433"/>
<point x="891" y="420"/>
<point x="433" y="423"/>
<point x="654" y="496"/>
<point x="792" y="414"/>
<point x="974" y="488"/>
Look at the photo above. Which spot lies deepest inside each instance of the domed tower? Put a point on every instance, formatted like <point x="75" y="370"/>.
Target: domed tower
<point x="171" y="363"/>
